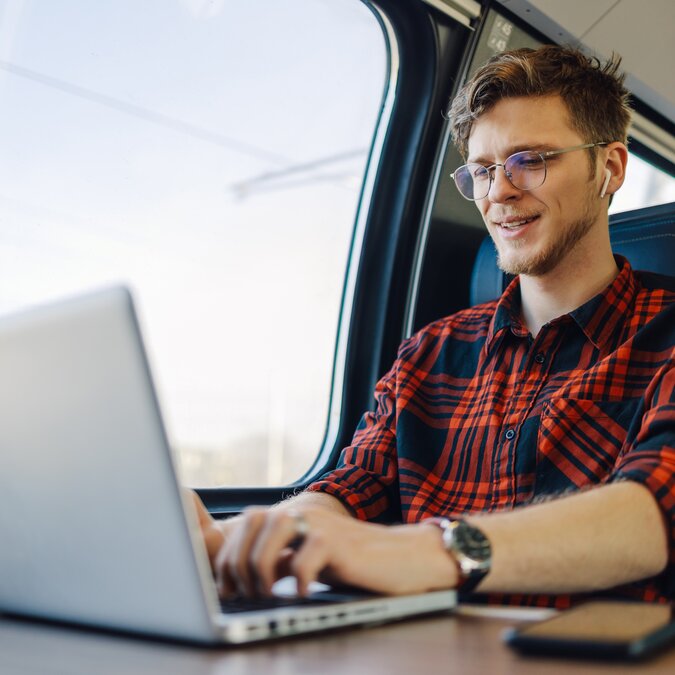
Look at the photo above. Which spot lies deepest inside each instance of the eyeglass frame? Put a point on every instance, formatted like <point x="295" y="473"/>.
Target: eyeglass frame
<point x="544" y="155"/>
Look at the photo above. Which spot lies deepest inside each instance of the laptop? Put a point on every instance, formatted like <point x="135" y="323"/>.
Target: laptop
<point x="95" y="528"/>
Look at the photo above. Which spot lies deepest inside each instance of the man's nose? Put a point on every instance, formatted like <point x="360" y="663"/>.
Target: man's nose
<point x="502" y="189"/>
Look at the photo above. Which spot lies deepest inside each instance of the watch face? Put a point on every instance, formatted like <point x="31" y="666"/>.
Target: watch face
<point x="473" y="543"/>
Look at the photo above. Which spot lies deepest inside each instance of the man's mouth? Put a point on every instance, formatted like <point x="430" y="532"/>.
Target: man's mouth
<point x="513" y="223"/>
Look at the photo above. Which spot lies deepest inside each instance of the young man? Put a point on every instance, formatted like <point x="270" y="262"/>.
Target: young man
<point x="538" y="430"/>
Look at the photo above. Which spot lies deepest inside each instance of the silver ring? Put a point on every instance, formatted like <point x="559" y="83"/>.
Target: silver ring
<point x="301" y="525"/>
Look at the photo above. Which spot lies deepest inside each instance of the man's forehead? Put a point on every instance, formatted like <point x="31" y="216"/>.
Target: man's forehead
<point x="520" y="123"/>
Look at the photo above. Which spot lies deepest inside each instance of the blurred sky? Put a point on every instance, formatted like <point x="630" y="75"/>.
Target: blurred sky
<point x="125" y="127"/>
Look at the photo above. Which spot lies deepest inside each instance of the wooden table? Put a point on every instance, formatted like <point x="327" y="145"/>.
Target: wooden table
<point x="466" y="643"/>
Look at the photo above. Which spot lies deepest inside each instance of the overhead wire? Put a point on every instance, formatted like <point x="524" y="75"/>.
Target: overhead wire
<point x="241" y="188"/>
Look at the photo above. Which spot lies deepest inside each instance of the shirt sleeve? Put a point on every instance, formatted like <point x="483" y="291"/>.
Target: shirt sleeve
<point x="366" y="477"/>
<point x="650" y="460"/>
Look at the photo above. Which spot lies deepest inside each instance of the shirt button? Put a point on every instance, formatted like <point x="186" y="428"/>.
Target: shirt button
<point x="510" y="434"/>
<point x="540" y="358"/>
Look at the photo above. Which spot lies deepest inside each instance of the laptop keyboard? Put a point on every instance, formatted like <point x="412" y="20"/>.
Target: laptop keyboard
<point x="242" y="604"/>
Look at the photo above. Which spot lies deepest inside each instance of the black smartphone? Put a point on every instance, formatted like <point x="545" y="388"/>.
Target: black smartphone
<point x="599" y="629"/>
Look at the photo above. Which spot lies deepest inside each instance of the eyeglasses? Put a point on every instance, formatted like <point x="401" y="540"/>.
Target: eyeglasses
<point x="525" y="170"/>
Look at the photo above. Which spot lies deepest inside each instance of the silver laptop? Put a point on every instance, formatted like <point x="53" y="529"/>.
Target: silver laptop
<point x="94" y="527"/>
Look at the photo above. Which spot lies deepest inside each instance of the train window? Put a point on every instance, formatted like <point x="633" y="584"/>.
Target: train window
<point x="645" y="185"/>
<point x="210" y="154"/>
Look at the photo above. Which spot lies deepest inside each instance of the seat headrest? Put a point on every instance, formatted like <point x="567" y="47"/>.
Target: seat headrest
<point x="646" y="237"/>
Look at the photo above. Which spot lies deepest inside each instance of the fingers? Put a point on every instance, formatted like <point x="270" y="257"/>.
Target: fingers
<point x="280" y="530"/>
<point x="283" y="568"/>
<point x="214" y="539"/>
<point x="310" y="560"/>
<point x="234" y="572"/>
<point x="255" y="553"/>
<point x="211" y="530"/>
<point x="203" y="515"/>
<point x="258" y="552"/>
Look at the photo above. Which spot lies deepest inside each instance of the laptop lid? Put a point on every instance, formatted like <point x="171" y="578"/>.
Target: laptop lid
<point x="94" y="526"/>
<point x="92" y="523"/>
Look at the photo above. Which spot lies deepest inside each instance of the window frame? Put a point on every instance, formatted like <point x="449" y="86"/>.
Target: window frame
<point x="427" y="49"/>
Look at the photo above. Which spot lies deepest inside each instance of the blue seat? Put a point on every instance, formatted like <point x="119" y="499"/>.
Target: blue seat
<point x="646" y="237"/>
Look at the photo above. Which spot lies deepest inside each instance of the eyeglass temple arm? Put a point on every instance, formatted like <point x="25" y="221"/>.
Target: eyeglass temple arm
<point x="551" y="153"/>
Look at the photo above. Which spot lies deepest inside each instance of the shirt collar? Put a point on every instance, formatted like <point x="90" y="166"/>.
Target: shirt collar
<point x="507" y="315"/>
<point x="598" y="318"/>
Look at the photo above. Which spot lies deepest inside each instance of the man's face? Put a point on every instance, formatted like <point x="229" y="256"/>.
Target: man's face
<point x="535" y="230"/>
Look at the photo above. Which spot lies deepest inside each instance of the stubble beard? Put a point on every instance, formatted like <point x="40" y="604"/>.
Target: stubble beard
<point x="548" y="259"/>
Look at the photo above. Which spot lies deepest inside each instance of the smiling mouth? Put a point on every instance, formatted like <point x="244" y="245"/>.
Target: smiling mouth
<point x="515" y="224"/>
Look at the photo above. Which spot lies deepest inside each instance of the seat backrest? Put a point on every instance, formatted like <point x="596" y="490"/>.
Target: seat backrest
<point x="646" y="237"/>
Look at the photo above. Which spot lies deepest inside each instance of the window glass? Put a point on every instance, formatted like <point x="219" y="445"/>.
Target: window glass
<point x="645" y="185"/>
<point x="209" y="153"/>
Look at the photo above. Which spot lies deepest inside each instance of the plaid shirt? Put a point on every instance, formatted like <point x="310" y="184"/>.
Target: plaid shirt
<point x="475" y="415"/>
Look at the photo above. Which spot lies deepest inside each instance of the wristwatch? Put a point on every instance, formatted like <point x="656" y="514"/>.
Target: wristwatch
<point x="469" y="547"/>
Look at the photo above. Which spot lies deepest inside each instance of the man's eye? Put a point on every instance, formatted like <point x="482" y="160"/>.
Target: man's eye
<point x="529" y="163"/>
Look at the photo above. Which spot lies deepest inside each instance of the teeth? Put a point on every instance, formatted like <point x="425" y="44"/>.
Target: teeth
<point x="518" y="223"/>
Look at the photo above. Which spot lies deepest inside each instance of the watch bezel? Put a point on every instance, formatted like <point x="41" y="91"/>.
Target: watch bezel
<point x="475" y="558"/>
<point x="472" y="569"/>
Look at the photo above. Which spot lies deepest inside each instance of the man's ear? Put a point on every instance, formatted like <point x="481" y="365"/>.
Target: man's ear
<point x="614" y="169"/>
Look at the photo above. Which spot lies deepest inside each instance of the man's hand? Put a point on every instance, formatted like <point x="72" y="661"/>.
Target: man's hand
<point x="212" y="530"/>
<point x="264" y="545"/>
<point x="215" y="532"/>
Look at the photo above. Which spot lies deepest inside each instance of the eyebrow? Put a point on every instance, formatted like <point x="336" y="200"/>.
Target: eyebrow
<point x="538" y="147"/>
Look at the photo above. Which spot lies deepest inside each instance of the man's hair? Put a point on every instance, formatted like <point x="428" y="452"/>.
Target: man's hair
<point x="597" y="101"/>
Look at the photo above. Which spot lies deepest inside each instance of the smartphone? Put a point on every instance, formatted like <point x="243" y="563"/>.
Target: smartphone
<point x="599" y="629"/>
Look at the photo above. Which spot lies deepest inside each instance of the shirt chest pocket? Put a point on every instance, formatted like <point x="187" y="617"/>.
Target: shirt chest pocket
<point x="579" y="442"/>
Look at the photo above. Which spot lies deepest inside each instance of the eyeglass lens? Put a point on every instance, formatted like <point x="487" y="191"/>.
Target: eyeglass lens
<point x="525" y="170"/>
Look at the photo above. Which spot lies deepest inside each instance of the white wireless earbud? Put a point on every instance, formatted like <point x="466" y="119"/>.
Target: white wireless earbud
<point x="608" y="176"/>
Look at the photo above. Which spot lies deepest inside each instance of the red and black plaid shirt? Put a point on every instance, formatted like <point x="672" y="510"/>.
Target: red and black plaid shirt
<point x="477" y="416"/>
